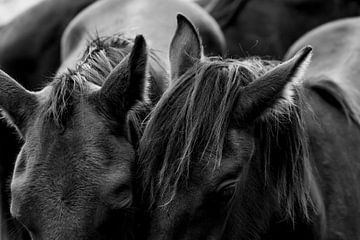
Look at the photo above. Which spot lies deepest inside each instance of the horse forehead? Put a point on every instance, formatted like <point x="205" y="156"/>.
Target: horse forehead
<point x="86" y="121"/>
<point x="46" y="141"/>
<point x="238" y="147"/>
<point x="80" y="155"/>
<point x="186" y="200"/>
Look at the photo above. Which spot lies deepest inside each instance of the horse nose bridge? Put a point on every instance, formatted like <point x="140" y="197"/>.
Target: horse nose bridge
<point x="68" y="176"/>
<point x="61" y="189"/>
<point x="169" y="222"/>
<point x="47" y="191"/>
<point x="75" y="190"/>
<point x="64" y="228"/>
<point x="161" y="225"/>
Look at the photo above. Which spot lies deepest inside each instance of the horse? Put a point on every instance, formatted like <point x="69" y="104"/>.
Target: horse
<point x="83" y="155"/>
<point x="30" y="52"/>
<point x="260" y="28"/>
<point x="249" y="149"/>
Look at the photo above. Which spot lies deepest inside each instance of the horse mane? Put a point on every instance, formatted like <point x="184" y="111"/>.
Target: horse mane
<point x="191" y="121"/>
<point x="99" y="59"/>
<point x="283" y="142"/>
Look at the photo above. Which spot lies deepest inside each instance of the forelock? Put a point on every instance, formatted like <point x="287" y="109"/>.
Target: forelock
<point x="190" y="122"/>
<point x="99" y="59"/>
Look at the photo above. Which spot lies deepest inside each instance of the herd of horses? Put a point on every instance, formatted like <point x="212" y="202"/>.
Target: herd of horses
<point x="124" y="119"/>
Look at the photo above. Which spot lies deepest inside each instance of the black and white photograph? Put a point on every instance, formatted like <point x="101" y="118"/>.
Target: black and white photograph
<point x="179" y="119"/>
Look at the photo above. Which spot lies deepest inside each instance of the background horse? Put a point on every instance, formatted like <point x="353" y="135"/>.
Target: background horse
<point x="334" y="73"/>
<point x="245" y="150"/>
<point x="261" y="27"/>
<point x="335" y="58"/>
<point x="90" y="24"/>
<point x="134" y="17"/>
<point x="30" y="44"/>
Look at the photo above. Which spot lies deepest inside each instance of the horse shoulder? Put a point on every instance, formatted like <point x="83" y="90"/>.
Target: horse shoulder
<point x="334" y="143"/>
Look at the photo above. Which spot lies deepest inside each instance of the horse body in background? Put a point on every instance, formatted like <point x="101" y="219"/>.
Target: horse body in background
<point x="72" y="177"/>
<point x="139" y="16"/>
<point x="333" y="73"/>
<point x="132" y="17"/>
<point x="246" y="150"/>
<point x="30" y="44"/>
<point x="260" y="27"/>
<point x="336" y="57"/>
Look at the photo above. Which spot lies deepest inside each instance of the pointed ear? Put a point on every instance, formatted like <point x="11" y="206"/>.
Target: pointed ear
<point x="16" y="102"/>
<point x="185" y="47"/>
<point x="125" y="85"/>
<point x="275" y="89"/>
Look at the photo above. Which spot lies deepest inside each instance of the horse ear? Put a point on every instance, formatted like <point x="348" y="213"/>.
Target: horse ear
<point x="16" y="102"/>
<point x="125" y="85"/>
<point x="275" y="89"/>
<point x="185" y="47"/>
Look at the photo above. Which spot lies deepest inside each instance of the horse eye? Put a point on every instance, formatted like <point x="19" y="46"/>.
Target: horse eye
<point x="227" y="192"/>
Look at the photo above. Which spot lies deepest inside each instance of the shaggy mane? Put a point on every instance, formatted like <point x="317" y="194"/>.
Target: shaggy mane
<point x="99" y="59"/>
<point x="190" y="123"/>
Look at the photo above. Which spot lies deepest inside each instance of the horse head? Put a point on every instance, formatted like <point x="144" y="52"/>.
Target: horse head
<point x="224" y="150"/>
<point x="72" y="176"/>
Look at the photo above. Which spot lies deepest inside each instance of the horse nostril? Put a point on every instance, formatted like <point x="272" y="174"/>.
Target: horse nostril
<point x="122" y="189"/>
<point x="22" y="222"/>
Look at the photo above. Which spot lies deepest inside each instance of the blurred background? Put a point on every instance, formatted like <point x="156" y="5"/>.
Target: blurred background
<point x="11" y="8"/>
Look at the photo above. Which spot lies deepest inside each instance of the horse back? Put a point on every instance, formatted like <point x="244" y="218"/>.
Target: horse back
<point x="156" y="20"/>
